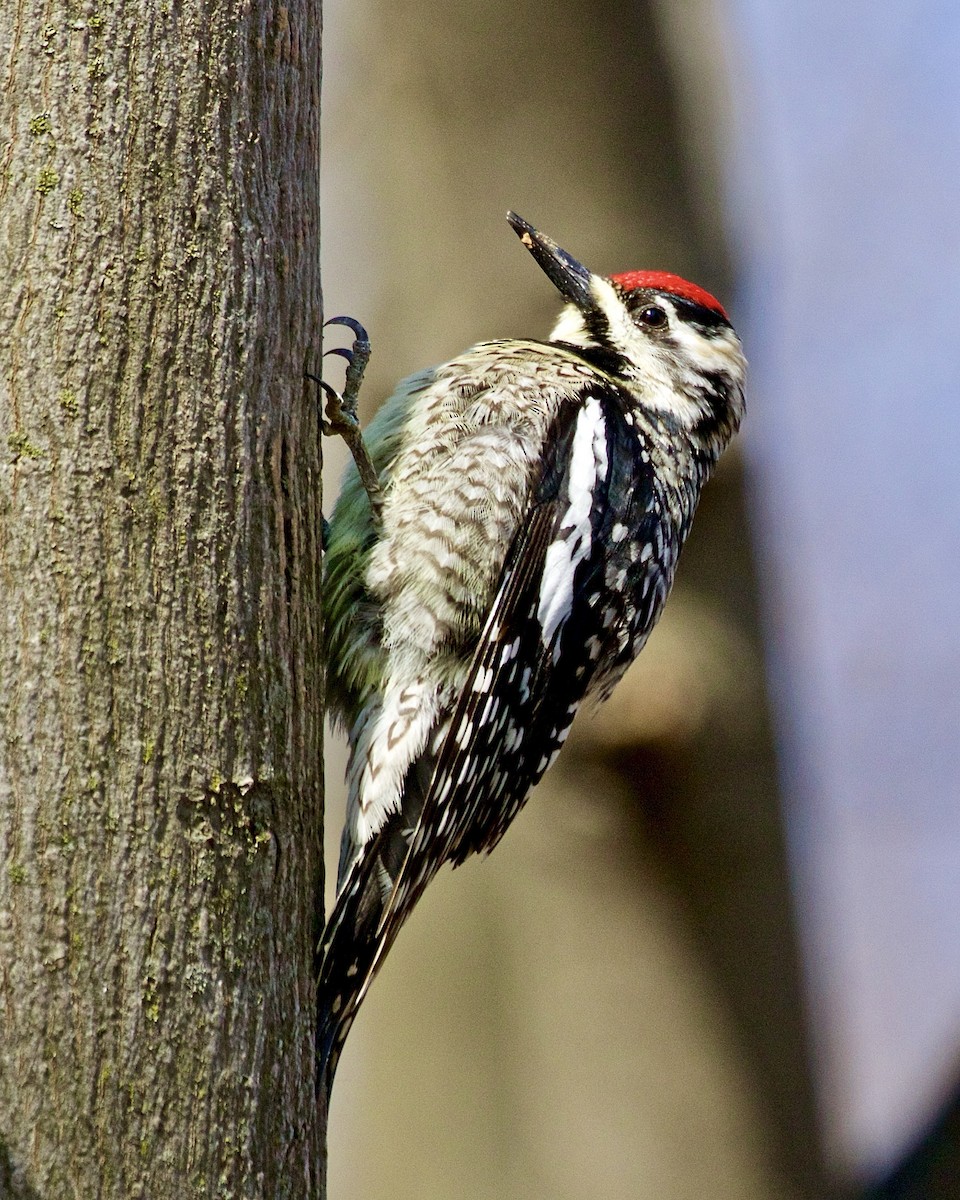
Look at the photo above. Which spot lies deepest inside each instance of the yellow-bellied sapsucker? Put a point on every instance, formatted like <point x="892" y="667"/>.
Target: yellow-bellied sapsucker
<point x="512" y="550"/>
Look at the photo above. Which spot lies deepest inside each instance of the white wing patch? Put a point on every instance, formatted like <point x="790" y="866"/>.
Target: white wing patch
<point x="588" y="465"/>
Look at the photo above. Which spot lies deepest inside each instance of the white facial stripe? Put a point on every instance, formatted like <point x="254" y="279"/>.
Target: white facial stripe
<point x="719" y="353"/>
<point x="588" y="464"/>
<point x="570" y="327"/>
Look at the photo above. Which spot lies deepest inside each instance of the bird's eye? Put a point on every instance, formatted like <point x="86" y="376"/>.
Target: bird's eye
<point x="652" y="316"/>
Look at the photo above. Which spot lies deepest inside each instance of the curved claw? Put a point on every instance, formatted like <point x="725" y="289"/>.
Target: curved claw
<point x="328" y="390"/>
<point x="350" y="323"/>
<point x="342" y="351"/>
<point x="335" y="401"/>
<point x="331" y="393"/>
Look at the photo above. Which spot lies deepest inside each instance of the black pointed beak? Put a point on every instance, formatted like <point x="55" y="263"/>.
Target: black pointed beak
<point x="569" y="277"/>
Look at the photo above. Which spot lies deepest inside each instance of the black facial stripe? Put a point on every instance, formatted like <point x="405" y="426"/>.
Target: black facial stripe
<point x="707" y="320"/>
<point x="714" y="398"/>
<point x="602" y="357"/>
<point x="597" y="326"/>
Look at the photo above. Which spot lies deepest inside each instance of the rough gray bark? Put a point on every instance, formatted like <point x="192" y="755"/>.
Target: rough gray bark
<point x="160" y="724"/>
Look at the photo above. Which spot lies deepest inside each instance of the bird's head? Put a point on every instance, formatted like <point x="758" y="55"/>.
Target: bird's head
<point x="667" y="339"/>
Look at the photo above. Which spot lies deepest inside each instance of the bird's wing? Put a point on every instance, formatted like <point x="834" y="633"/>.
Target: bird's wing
<point x="546" y="634"/>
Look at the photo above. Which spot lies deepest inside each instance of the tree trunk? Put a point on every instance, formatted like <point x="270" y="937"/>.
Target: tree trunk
<point x="160" y="769"/>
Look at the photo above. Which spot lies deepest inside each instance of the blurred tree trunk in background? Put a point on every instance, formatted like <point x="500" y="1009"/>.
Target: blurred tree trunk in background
<point x="609" y="1006"/>
<point x="160" y="778"/>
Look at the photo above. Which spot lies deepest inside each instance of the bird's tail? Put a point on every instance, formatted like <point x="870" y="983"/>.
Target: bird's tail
<point x="348" y="952"/>
<point x="354" y="940"/>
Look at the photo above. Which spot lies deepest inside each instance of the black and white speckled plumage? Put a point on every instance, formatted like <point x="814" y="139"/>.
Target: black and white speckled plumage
<point x="536" y="496"/>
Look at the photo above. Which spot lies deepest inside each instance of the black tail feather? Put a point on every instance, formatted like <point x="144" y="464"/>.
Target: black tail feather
<point x="347" y="956"/>
<point x="353" y="945"/>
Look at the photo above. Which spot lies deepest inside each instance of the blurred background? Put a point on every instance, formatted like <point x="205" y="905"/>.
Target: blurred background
<point x="718" y="954"/>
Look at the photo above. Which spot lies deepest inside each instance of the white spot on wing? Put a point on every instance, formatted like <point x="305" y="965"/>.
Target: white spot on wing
<point x="510" y="651"/>
<point x="484" y="680"/>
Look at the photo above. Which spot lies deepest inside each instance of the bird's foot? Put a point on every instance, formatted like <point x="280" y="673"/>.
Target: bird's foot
<point x="341" y="407"/>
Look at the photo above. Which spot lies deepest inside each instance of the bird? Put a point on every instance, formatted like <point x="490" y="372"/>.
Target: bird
<point x="501" y="548"/>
